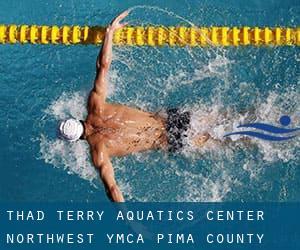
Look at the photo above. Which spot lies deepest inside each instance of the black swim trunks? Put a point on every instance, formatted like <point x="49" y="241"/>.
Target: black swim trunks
<point x="177" y="125"/>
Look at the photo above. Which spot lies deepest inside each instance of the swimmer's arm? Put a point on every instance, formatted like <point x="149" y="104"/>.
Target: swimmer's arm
<point x="103" y="164"/>
<point x="105" y="56"/>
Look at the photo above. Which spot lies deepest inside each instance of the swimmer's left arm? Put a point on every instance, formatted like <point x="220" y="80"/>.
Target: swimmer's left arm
<point x="105" y="56"/>
<point x="103" y="164"/>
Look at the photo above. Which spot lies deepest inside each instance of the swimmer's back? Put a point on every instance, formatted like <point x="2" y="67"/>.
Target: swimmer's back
<point x="126" y="130"/>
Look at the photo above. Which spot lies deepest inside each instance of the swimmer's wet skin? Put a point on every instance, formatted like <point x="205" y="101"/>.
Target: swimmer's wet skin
<point x="117" y="130"/>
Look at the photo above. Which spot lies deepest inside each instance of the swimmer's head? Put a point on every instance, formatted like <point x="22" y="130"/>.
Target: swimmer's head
<point x="70" y="130"/>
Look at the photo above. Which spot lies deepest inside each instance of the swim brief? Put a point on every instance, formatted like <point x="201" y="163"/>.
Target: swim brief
<point x="177" y="125"/>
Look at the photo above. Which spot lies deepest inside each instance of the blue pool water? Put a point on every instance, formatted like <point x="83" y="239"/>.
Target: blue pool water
<point x="42" y="84"/>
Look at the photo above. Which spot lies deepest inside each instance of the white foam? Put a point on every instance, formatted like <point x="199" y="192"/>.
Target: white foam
<point x="72" y="157"/>
<point x="217" y="121"/>
<point x="68" y="105"/>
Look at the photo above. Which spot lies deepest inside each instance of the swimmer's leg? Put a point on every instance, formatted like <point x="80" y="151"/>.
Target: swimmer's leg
<point x="200" y="140"/>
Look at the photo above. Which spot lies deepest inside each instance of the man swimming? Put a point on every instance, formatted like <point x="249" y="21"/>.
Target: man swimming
<point x="117" y="130"/>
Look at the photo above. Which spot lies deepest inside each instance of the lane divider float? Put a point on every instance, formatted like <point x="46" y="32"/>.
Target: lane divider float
<point x="152" y="35"/>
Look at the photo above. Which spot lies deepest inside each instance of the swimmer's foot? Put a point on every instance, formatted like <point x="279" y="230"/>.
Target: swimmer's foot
<point x="200" y="140"/>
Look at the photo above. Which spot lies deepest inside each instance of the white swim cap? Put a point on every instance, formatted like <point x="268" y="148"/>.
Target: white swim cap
<point x="70" y="130"/>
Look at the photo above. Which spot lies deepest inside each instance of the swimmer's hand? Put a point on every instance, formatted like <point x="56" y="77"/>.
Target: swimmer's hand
<point x="115" y="24"/>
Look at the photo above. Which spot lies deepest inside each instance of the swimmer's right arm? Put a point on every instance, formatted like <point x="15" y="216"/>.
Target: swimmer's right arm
<point x="105" y="56"/>
<point x="103" y="164"/>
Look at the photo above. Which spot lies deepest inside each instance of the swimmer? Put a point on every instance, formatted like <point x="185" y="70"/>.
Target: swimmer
<point x="114" y="130"/>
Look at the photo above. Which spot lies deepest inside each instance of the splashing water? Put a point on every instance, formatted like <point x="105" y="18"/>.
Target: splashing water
<point x="208" y="83"/>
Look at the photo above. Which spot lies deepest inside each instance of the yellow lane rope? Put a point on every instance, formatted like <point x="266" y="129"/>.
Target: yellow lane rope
<point x="152" y="35"/>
